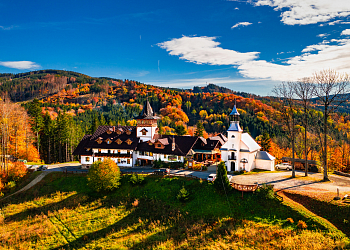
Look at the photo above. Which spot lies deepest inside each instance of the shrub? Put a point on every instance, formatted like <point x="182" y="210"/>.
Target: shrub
<point x="136" y="179"/>
<point x="183" y="195"/>
<point x="16" y="170"/>
<point x="301" y="225"/>
<point x="290" y="220"/>
<point x="221" y="182"/>
<point x="10" y="184"/>
<point x="265" y="192"/>
<point x="104" y="176"/>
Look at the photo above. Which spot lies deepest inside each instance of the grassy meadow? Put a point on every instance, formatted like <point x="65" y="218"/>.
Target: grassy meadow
<point x="63" y="213"/>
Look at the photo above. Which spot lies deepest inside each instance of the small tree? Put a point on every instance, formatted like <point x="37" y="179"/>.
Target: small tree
<point x="183" y="195"/>
<point x="200" y="129"/>
<point x="221" y="182"/>
<point x="104" y="176"/>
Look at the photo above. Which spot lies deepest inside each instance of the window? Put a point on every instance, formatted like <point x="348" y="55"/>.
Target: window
<point x="150" y="153"/>
<point x="99" y="159"/>
<point x="144" y="131"/>
<point x="128" y="141"/>
<point x="118" y="160"/>
<point x="232" y="136"/>
<point x="87" y="158"/>
<point x="233" y="145"/>
<point x="99" y="150"/>
<point x="128" y="161"/>
<point x="119" y="141"/>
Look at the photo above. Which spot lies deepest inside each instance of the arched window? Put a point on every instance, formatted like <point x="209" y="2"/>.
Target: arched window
<point x="233" y="136"/>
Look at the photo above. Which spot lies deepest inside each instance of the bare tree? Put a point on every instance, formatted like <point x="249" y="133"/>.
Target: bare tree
<point x="286" y="92"/>
<point x="304" y="89"/>
<point x="332" y="89"/>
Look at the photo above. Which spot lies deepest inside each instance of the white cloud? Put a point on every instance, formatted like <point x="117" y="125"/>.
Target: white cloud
<point x="7" y="28"/>
<point x="241" y="24"/>
<point x="204" y="50"/>
<point x="345" y="32"/>
<point x="323" y="35"/>
<point x="20" y="64"/>
<point x="304" y="12"/>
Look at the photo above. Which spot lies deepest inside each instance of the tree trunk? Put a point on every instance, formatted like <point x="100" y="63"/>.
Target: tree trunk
<point x="293" y="148"/>
<point x="305" y="141"/>
<point x="325" y="167"/>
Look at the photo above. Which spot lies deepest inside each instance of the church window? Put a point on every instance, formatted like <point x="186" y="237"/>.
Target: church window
<point x="233" y="136"/>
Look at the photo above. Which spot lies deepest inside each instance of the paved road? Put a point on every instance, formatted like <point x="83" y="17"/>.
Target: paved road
<point x="283" y="181"/>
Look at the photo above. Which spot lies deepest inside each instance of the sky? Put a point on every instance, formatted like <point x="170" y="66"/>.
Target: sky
<point x="248" y="46"/>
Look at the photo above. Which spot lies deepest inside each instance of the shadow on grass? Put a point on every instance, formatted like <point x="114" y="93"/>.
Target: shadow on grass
<point x="336" y="214"/>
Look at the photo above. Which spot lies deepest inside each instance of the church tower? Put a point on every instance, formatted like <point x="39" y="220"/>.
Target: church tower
<point x="230" y="151"/>
<point x="146" y="123"/>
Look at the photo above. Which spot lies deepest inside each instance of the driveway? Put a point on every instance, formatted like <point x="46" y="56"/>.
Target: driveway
<point x="283" y="181"/>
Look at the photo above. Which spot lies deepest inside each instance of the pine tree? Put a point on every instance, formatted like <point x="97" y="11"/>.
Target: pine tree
<point x="221" y="182"/>
<point x="200" y="129"/>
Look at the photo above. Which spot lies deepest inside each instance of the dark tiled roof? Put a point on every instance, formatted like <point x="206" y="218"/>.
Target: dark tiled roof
<point x="183" y="144"/>
<point x="80" y="150"/>
<point x="101" y="133"/>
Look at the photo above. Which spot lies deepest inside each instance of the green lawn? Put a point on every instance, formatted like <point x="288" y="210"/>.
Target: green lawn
<point x="62" y="213"/>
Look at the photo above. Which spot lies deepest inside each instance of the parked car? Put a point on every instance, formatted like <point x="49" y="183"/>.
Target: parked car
<point x="211" y="177"/>
<point x="284" y="165"/>
<point x="43" y="167"/>
<point x="162" y="171"/>
<point x="229" y="177"/>
<point x="34" y="167"/>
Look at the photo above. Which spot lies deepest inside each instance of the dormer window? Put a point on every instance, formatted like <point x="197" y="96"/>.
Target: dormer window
<point x="108" y="141"/>
<point x="128" y="141"/>
<point x="119" y="141"/>
<point x="109" y="131"/>
<point x="144" y="131"/>
<point x="99" y="140"/>
<point x="119" y="131"/>
<point x="128" y="132"/>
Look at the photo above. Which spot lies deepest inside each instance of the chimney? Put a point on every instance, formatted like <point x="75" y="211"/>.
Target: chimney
<point x="173" y="144"/>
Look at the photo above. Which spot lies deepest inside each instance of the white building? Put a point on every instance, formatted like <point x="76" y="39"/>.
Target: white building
<point x="241" y="151"/>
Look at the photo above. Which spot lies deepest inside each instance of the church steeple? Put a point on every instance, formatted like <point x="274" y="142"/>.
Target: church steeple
<point x="234" y="123"/>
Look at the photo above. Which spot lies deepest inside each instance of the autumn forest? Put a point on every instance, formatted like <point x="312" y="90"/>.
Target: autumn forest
<point x="45" y="113"/>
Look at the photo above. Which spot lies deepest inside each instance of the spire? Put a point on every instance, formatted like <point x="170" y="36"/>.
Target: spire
<point x="234" y="112"/>
<point x="147" y="110"/>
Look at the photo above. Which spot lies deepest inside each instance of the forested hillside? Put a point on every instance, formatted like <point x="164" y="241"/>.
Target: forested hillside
<point x="68" y="105"/>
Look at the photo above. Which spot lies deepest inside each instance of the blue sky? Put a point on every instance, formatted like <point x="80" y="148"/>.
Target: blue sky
<point x="246" y="46"/>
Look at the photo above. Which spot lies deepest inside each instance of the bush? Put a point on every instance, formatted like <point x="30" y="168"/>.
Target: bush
<point x="16" y="170"/>
<point x="301" y="225"/>
<point x="183" y="195"/>
<point x="265" y="192"/>
<point x="104" y="176"/>
<point x="290" y="220"/>
<point x="221" y="182"/>
<point x="10" y="184"/>
<point x="136" y="179"/>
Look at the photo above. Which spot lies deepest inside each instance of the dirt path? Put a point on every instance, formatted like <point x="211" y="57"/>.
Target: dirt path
<point x="30" y="184"/>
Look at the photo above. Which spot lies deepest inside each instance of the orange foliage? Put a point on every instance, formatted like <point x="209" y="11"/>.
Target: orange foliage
<point x="175" y="114"/>
<point x="16" y="170"/>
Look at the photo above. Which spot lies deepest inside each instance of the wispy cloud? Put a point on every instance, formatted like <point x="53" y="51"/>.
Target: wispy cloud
<point x="241" y="24"/>
<point x="20" y="64"/>
<point x="304" y="12"/>
<point x="323" y="35"/>
<point x="7" y="28"/>
<point x="204" y="50"/>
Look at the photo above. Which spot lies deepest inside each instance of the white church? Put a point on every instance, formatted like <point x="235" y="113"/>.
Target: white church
<point x="241" y="151"/>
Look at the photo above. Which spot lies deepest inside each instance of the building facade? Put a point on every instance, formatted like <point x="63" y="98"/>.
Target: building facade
<point x="131" y="146"/>
<point x="241" y="151"/>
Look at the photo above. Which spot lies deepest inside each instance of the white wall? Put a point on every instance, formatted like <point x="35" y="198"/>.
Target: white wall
<point x="265" y="164"/>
